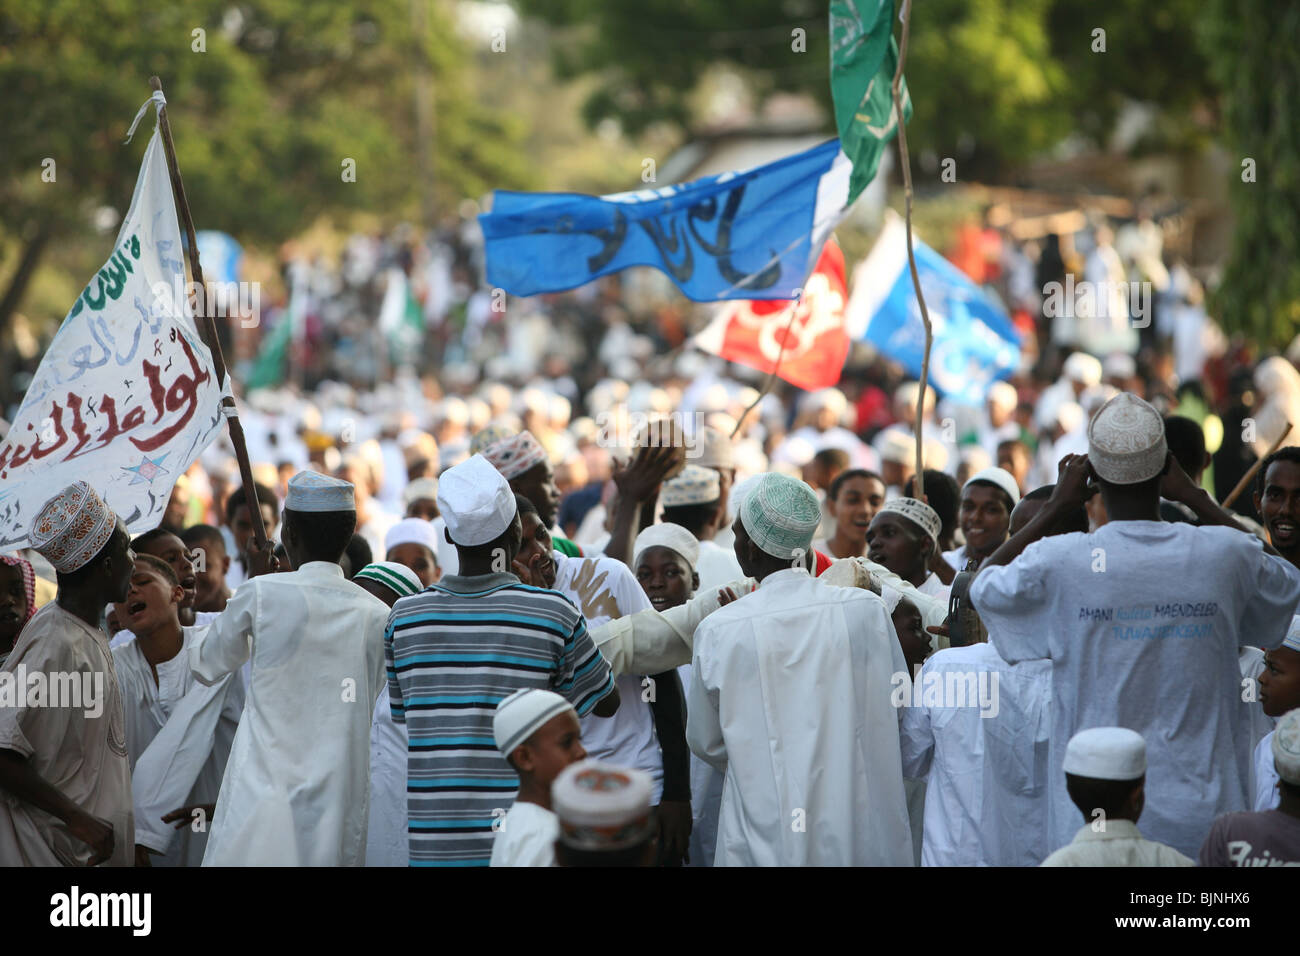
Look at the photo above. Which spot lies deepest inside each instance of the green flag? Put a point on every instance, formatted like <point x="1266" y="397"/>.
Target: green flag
<point x="863" y="59"/>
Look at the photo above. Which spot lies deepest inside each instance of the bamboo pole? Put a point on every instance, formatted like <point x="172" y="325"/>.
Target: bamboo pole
<point x="207" y="327"/>
<point x="911" y="256"/>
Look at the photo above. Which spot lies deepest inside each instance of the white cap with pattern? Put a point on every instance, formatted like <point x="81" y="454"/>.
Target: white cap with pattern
<point x="781" y="515"/>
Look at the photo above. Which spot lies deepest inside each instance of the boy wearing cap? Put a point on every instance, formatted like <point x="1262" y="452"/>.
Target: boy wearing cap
<point x="604" y="814"/>
<point x="903" y="536"/>
<point x="1105" y="775"/>
<point x="460" y="647"/>
<point x="807" y="781"/>
<point x="64" y="769"/>
<point x="413" y="542"/>
<point x="296" y="787"/>
<point x="1118" y="610"/>
<point x="852" y="501"/>
<point x="538" y="733"/>
<point x="987" y="501"/>
<point x="1279" y="693"/>
<point x="1267" y="837"/>
<point x="694" y="500"/>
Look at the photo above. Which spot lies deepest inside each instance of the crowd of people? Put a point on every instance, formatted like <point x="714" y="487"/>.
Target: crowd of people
<point x="583" y="596"/>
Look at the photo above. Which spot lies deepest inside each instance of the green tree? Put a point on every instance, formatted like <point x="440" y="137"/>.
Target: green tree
<point x="1253" y="47"/>
<point x="267" y="99"/>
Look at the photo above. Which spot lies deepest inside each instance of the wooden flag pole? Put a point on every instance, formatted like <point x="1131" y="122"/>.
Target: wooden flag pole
<point x="1249" y="476"/>
<point x="911" y="256"/>
<point x="208" y="328"/>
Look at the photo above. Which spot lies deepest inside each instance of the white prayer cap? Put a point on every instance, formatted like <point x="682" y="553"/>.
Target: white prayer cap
<point x="895" y="445"/>
<point x="72" y="527"/>
<point x="906" y="394"/>
<point x="715" y="449"/>
<point x="1119" y="365"/>
<point x="1003" y="395"/>
<point x="828" y="398"/>
<point x="411" y="531"/>
<point x="917" y="512"/>
<point x="312" y="491"/>
<point x="420" y="488"/>
<point x="667" y="535"/>
<point x="975" y="457"/>
<point x="934" y="454"/>
<point x="523" y="713"/>
<point x="1106" y="753"/>
<point x="454" y="410"/>
<point x="602" y="807"/>
<point x="1082" y="368"/>
<point x="694" y="486"/>
<point x="997" y="476"/>
<point x="1126" y="441"/>
<point x="476" y="502"/>
<point x="398" y="578"/>
<point x="781" y="515"/>
<point x="1293" y="634"/>
<point x="795" y="450"/>
<point x="1070" y="416"/>
<point x="1286" y="747"/>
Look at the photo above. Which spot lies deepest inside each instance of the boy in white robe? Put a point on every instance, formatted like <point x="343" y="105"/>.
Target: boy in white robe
<point x="1105" y="774"/>
<point x="1279" y="693"/>
<point x="539" y="734"/>
<point x="178" y="731"/>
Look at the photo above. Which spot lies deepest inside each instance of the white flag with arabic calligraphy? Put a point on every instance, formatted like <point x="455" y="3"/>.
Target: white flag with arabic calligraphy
<point x="126" y="397"/>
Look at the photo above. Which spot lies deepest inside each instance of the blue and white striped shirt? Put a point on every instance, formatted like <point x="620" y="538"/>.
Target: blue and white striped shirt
<point x="454" y="651"/>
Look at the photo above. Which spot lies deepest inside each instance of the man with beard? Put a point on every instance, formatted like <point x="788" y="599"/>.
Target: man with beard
<point x="1277" y="499"/>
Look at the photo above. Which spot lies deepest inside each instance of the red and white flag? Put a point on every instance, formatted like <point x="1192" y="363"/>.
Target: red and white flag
<point x="816" y="342"/>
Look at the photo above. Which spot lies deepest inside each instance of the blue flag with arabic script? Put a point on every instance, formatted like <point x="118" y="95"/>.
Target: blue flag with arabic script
<point x="752" y="234"/>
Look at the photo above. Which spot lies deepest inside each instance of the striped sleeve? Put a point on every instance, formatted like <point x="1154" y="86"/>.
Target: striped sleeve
<point x="585" y="678"/>
<point x="395" y="701"/>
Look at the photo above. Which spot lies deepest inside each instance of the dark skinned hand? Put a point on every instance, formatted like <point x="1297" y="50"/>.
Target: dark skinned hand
<point x="640" y="478"/>
<point x="96" y="833"/>
<point x="261" y="560"/>
<point x="184" y="816"/>
<point x="674" y="831"/>
<point x="1075" y="481"/>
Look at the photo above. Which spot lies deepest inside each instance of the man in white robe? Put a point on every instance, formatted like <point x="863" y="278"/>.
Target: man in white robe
<point x="790" y="694"/>
<point x="296" y="789"/>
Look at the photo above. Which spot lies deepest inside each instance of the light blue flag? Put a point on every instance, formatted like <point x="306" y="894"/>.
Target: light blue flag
<point x="975" y="343"/>
<point x="219" y="255"/>
<point x="753" y="234"/>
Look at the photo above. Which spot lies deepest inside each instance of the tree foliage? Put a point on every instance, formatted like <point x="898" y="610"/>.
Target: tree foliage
<point x="281" y="93"/>
<point x="1254" y="50"/>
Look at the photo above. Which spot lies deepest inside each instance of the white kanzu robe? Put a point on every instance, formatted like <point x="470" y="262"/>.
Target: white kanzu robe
<point x="179" y="733"/>
<point x="791" y="696"/>
<point x="296" y="789"/>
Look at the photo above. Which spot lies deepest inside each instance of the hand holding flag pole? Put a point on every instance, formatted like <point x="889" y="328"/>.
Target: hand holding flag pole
<point x="906" y="16"/>
<point x="207" y="327"/>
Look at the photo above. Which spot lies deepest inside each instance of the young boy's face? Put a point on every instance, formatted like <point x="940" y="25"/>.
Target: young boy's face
<point x="151" y="602"/>
<point x="172" y="549"/>
<point x="665" y="577"/>
<point x="1279" y="683"/>
<point x="418" y="558"/>
<point x="555" y="745"/>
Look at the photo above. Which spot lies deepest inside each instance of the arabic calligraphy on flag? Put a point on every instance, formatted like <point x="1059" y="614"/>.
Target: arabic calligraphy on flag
<point x="751" y="234"/>
<point x="811" y="329"/>
<point x="126" y="396"/>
